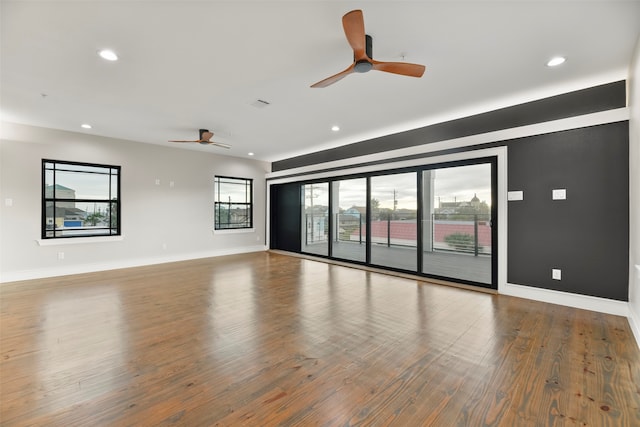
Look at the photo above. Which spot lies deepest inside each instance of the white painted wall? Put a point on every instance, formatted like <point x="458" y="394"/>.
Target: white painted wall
<point x="634" y="192"/>
<point x="152" y="215"/>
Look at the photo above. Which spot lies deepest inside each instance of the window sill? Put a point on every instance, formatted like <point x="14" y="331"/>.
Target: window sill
<point x="78" y="240"/>
<point x="235" y="231"/>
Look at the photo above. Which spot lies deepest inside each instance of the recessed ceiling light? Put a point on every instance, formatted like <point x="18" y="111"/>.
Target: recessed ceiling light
<point x="554" y="62"/>
<point x="335" y="128"/>
<point x="251" y="154"/>
<point x="108" y="54"/>
<point x="85" y="126"/>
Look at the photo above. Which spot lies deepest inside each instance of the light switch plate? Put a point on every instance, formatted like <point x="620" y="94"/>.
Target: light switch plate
<point x="559" y="194"/>
<point x="515" y="195"/>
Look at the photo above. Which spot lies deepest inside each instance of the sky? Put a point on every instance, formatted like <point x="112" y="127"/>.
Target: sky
<point x="463" y="182"/>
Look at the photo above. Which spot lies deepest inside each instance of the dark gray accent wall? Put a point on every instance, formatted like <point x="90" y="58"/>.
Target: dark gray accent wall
<point x="599" y="98"/>
<point x="285" y="201"/>
<point x="586" y="235"/>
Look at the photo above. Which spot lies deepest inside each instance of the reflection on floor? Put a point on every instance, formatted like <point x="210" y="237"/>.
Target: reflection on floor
<point x="454" y="265"/>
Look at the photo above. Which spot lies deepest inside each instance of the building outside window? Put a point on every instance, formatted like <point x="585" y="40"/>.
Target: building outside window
<point x="80" y="199"/>
<point x="233" y="203"/>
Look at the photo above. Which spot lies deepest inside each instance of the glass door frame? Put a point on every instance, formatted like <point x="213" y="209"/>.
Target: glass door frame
<point x="494" y="221"/>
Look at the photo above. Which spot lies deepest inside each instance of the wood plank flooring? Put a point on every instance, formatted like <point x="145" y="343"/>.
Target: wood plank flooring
<point x="265" y="339"/>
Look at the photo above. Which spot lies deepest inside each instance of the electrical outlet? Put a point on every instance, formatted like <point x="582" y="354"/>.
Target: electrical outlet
<point x="60" y="255"/>
<point x="556" y="274"/>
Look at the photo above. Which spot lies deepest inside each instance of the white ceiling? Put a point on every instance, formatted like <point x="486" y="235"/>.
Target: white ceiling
<point x="186" y="65"/>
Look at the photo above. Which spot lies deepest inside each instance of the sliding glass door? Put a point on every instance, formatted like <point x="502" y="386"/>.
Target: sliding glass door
<point x="349" y="208"/>
<point x="393" y="223"/>
<point x="457" y="221"/>
<point x="435" y="220"/>
<point x="315" y="218"/>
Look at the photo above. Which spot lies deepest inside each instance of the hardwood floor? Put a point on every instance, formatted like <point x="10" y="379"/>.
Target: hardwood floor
<point x="265" y="339"/>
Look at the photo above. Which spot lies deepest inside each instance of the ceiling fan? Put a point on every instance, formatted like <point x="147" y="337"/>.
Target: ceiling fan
<point x="353" y="24"/>
<point x="205" y="139"/>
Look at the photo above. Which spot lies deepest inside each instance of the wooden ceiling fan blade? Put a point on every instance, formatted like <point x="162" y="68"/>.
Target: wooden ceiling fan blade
<point x="353" y="24"/>
<point x="403" y="68"/>
<point x="331" y="80"/>
<point x="220" y="144"/>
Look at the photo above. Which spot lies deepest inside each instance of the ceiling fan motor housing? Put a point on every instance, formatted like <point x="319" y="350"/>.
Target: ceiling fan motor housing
<point x="363" y="66"/>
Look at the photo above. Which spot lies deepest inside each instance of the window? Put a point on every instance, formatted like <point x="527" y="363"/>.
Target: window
<point x="80" y="199"/>
<point x="233" y="203"/>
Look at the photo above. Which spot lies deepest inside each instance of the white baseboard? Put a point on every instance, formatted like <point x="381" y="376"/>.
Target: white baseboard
<point x="13" y="276"/>
<point x="585" y="302"/>
<point x="634" y="322"/>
